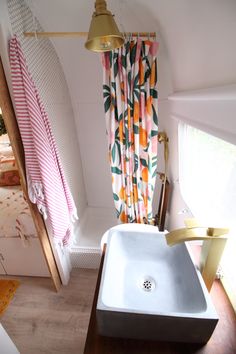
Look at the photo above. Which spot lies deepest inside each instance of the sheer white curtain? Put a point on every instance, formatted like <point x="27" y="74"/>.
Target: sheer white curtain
<point x="207" y="175"/>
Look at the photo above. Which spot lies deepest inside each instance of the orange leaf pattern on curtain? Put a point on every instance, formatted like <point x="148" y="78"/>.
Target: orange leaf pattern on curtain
<point x="130" y="102"/>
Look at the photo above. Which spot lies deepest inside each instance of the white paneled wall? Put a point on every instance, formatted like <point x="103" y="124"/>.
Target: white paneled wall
<point x="94" y="153"/>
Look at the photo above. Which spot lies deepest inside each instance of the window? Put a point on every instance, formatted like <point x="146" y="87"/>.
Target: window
<point x="207" y="174"/>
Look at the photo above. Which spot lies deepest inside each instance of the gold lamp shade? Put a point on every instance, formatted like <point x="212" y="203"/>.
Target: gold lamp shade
<point x="104" y="34"/>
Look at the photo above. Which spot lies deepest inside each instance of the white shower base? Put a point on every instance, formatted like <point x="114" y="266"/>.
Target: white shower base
<point x="86" y="251"/>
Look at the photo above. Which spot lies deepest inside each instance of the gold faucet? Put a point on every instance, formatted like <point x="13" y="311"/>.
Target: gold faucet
<point x="214" y="241"/>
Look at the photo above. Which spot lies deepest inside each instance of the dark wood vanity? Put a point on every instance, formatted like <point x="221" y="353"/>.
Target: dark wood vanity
<point x="223" y="340"/>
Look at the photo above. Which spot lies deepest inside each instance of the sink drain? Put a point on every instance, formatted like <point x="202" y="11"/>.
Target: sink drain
<point x="147" y="284"/>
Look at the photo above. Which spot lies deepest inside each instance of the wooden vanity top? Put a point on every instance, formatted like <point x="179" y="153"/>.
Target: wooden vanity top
<point x="223" y="340"/>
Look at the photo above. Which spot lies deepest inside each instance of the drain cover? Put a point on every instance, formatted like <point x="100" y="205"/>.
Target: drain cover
<point x="148" y="284"/>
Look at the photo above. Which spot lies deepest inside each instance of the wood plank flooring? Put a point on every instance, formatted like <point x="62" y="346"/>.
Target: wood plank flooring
<point x="41" y="321"/>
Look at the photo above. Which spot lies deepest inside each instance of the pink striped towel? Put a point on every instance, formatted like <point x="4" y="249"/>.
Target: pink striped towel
<point x="47" y="186"/>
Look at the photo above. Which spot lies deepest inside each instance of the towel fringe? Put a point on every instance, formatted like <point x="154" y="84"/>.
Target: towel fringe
<point x="36" y="196"/>
<point x="74" y="216"/>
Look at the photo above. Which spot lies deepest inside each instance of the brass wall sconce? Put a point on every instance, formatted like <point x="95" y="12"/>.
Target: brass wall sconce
<point x="104" y="34"/>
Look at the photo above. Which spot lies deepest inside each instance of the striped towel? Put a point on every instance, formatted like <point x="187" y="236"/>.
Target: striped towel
<point x="47" y="186"/>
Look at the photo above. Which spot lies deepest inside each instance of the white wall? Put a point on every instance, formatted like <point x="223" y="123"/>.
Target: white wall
<point x="200" y="39"/>
<point x="86" y="92"/>
<point x="197" y="51"/>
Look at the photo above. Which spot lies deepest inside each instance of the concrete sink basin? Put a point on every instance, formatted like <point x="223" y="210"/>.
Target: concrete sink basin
<point x="152" y="291"/>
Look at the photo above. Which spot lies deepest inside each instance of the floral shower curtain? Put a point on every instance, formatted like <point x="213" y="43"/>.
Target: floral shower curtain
<point x="130" y="101"/>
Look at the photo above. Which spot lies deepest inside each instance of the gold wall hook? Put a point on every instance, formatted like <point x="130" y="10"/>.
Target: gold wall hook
<point x="162" y="137"/>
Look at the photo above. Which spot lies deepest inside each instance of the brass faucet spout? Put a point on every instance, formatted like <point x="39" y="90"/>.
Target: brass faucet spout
<point x="195" y="233"/>
<point x="212" y="248"/>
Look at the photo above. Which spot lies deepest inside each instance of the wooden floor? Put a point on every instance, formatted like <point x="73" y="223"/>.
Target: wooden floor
<point x="41" y="321"/>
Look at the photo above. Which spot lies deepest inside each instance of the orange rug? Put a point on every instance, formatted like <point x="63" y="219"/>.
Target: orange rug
<point x="7" y="290"/>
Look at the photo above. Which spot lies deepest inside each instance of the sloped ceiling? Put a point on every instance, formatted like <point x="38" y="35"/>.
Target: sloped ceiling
<point x="199" y="35"/>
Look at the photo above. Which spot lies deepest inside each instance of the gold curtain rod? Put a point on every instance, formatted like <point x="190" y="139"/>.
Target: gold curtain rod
<point x="84" y="34"/>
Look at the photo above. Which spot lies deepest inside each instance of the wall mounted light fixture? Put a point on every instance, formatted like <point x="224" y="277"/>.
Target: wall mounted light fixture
<point x="104" y="34"/>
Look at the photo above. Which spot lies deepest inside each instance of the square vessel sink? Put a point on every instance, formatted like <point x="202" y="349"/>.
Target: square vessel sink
<point x="149" y="290"/>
